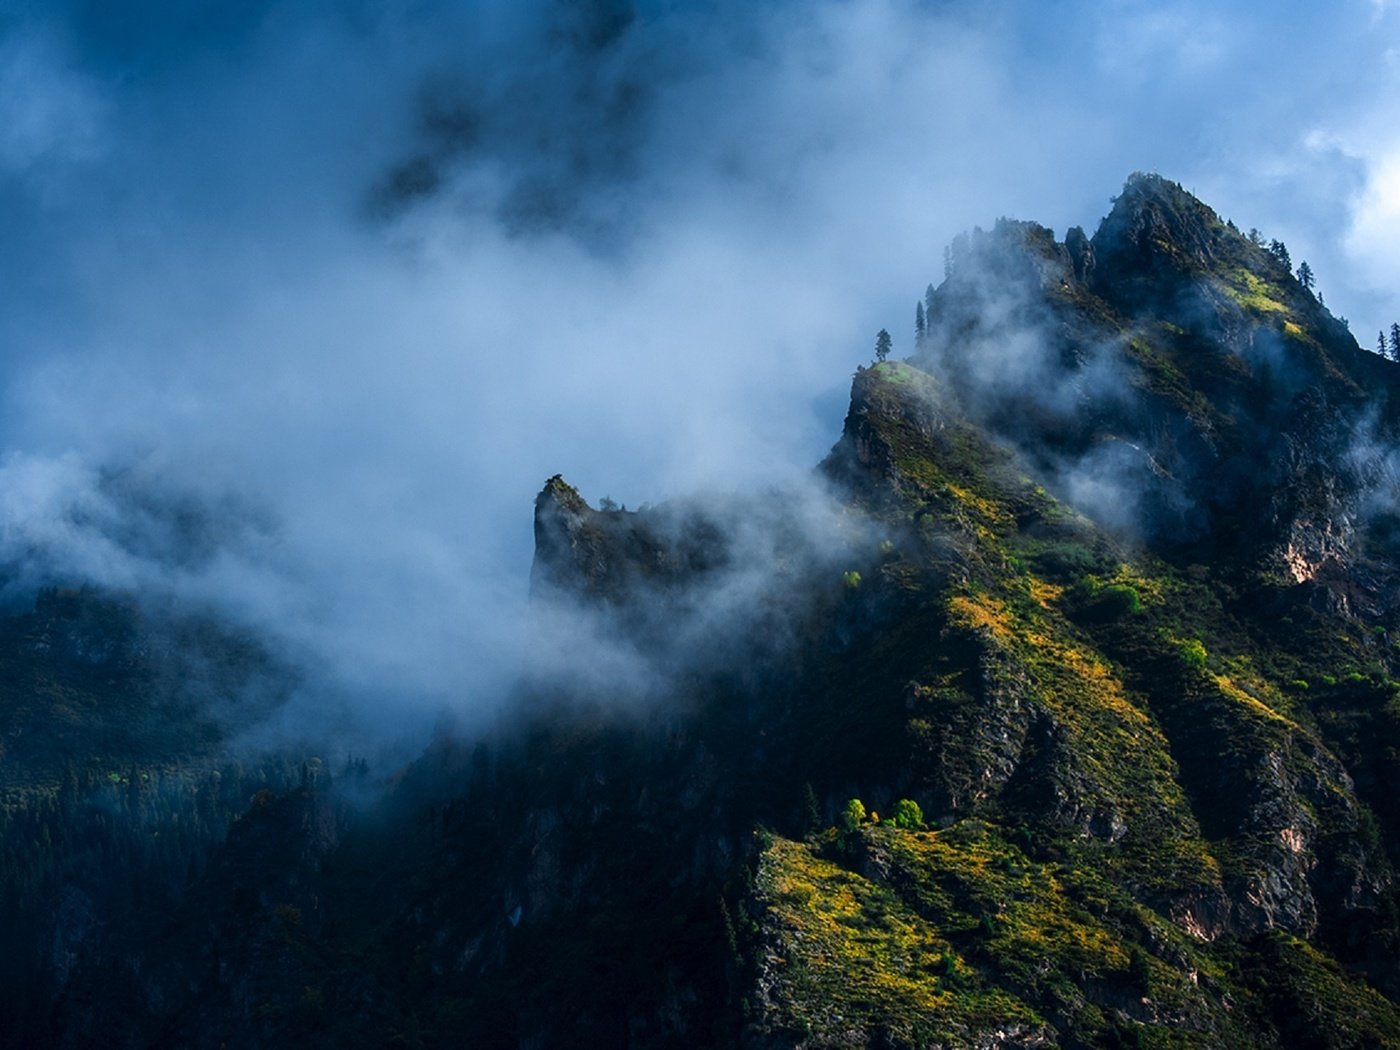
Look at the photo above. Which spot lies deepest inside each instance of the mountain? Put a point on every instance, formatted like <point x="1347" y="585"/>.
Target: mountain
<point x="1057" y="708"/>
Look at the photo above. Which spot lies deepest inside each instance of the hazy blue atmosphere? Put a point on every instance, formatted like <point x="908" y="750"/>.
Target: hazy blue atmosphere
<point x="304" y="301"/>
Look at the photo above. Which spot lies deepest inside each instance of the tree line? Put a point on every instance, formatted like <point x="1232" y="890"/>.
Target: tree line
<point x="1389" y="348"/>
<point x="98" y="847"/>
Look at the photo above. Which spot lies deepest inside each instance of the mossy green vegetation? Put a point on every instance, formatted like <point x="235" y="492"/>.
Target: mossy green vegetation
<point x="1111" y="764"/>
<point x="846" y="954"/>
<point x="908" y="815"/>
<point x="1254" y="293"/>
<point x="938" y="938"/>
<point x="1192" y="653"/>
<point x="899" y="373"/>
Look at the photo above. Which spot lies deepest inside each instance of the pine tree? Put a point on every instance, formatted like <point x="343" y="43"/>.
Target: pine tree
<point x="1279" y="251"/>
<point x="883" y="345"/>
<point x="947" y="262"/>
<point x="1380" y="344"/>
<point x="928" y="308"/>
<point x="1305" y="275"/>
<point x="918" y="324"/>
<point x="1395" y="342"/>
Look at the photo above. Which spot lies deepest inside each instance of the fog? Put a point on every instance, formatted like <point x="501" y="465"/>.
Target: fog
<point x="303" y="302"/>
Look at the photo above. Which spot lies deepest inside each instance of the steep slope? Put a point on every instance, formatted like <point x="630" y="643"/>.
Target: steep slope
<point x="1129" y="792"/>
<point x="1093" y="601"/>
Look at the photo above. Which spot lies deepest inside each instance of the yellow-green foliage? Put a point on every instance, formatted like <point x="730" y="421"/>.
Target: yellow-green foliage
<point x="969" y="881"/>
<point x="908" y="814"/>
<point x="1044" y="592"/>
<point x="1110" y="755"/>
<point x="946" y="460"/>
<point x="1193" y="653"/>
<point x="1245" y="686"/>
<point x="1160" y="373"/>
<point x="1152" y="589"/>
<point x="1119" y="757"/>
<point x="853" y="816"/>
<point x="1253" y="293"/>
<point x="958" y="503"/>
<point x="850" y="955"/>
<point x="948" y="934"/>
<point x="982" y="612"/>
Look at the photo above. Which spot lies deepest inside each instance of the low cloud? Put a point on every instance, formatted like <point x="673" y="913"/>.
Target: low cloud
<point x="356" y="279"/>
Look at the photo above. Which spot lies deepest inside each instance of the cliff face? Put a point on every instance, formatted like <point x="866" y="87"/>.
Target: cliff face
<point x="1091" y="606"/>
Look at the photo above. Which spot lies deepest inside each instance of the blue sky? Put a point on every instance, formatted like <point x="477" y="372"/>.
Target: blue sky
<point x="372" y="271"/>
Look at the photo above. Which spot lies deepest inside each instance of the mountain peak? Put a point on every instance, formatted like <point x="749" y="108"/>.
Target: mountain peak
<point x="1158" y="230"/>
<point x="569" y="547"/>
<point x="1169" y="377"/>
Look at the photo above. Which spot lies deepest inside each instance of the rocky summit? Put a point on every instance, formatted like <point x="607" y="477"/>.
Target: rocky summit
<point x="1059" y="707"/>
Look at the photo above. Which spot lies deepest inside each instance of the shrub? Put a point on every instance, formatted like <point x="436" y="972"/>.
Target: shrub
<point x="908" y="815"/>
<point x="1193" y="654"/>
<point x="1119" y="599"/>
<point x="1106" y="602"/>
<point x="851" y="579"/>
<point x="853" y="816"/>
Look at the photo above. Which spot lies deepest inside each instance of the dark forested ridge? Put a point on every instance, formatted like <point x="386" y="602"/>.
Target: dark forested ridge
<point x="1060" y="708"/>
